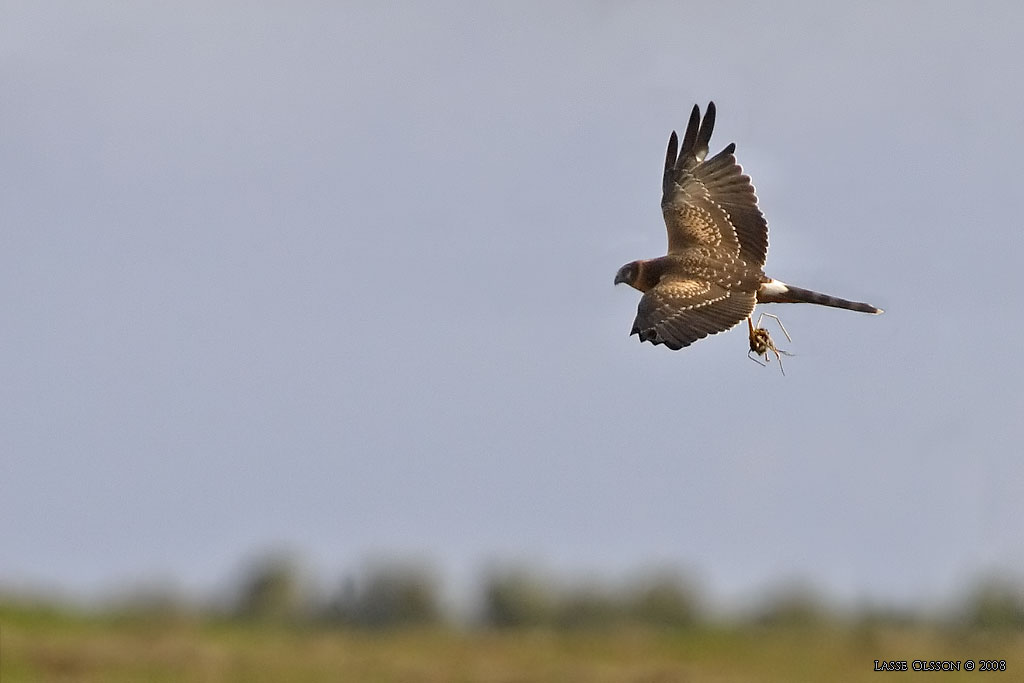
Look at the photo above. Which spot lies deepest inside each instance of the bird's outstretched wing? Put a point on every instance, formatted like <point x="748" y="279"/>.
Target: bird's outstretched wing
<point x="678" y="311"/>
<point x="710" y="203"/>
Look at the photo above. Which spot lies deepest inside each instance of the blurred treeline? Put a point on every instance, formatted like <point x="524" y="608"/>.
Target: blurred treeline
<point x="396" y="622"/>
<point x="275" y="589"/>
<point x="398" y="594"/>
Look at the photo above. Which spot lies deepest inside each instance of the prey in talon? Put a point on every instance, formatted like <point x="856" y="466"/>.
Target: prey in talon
<point x="761" y="341"/>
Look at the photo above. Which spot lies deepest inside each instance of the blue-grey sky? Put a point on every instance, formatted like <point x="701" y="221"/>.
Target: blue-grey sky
<point x="338" y="277"/>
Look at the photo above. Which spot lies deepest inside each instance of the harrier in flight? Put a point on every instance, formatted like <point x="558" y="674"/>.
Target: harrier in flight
<point x="713" y="275"/>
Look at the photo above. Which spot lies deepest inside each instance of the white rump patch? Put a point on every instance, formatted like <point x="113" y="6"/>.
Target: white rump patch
<point x="774" y="287"/>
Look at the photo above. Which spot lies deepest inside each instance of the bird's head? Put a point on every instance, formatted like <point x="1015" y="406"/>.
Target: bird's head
<point x="628" y="274"/>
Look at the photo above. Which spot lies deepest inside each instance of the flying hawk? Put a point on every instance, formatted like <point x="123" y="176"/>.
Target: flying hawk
<point x="713" y="273"/>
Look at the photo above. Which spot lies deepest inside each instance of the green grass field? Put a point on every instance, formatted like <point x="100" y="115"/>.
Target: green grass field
<point x="39" y="644"/>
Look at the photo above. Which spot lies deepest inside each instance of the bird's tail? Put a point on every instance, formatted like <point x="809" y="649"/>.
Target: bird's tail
<point x="775" y="292"/>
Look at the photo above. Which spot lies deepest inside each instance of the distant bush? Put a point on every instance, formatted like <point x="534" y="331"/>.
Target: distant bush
<point x="518" y="599"/>
<point x="589" y="607"/>
<point x="663" y="599"/>
<point x="387" y="596"/>
<point x="995" y="603"/>
<point x="792" y="604"/>
<point x="270" y="591"/>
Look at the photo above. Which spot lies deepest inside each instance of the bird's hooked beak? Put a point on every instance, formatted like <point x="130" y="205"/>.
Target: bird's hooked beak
<point x="626" y="274"/>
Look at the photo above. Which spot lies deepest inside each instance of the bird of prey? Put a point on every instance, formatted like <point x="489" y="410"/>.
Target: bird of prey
<point x="712" y="276"/>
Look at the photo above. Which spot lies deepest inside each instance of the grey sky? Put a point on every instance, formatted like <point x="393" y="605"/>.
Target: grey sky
<point x="339" y="277"/>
